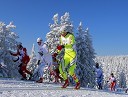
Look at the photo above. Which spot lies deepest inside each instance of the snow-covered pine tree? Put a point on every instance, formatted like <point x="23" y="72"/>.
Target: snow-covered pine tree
<point x="85" y="57"/>
<point x="8" y="42"/>
<point x="53" y="36"/>
<point x="66" y="24"/>
<point x="31" y="66"/>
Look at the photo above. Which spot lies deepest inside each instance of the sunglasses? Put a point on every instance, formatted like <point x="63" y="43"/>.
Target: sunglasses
<point x="38" y="42"/>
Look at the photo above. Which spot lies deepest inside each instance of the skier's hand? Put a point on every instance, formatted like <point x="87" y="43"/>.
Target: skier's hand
<point x="10" y="52"/>
<point x="66" y="69"/>
<point x="24" y="64"/>
<point x="41" y="53"/>
<point x="20" y="65"/>
<point x="59" y="57"/>
<point x="60" y="47"/>
<point x="38" y="63"/>
<point x="54" y="55"/>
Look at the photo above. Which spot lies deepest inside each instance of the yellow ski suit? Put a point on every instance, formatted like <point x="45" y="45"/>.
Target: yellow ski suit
<point x="68" y="64"/>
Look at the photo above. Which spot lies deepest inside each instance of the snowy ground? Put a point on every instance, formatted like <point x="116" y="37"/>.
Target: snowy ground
<point x="18" y="88"/>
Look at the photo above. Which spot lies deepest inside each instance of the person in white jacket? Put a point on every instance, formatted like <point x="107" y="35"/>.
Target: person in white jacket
<point x="45" y="58"/>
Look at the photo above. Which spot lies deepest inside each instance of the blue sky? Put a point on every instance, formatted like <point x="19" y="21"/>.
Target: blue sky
<point x="106" y="19"/>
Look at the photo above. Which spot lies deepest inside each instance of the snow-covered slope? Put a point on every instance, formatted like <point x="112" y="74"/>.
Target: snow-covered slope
<point x="18" y="88"/>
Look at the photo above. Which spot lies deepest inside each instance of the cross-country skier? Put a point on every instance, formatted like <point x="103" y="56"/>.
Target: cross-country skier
<point x="24" y="59"/>
<point x="112" y="81"/>
<point x="99" y="76"/>
<point x="55" y="69"/>
<point x="68" y="62"/>
<point x="45" y="58"/>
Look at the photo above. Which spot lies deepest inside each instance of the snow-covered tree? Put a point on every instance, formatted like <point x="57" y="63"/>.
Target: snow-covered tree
<point x="31" y="66"/>
<point x="8" y="42"/>
<point x="85" y="57"/>
<point x="7" y="36"/>
<point x="53" y="36"/>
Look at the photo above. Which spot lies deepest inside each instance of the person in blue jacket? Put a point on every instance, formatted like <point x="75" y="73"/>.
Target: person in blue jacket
<point x="99" y="76"/>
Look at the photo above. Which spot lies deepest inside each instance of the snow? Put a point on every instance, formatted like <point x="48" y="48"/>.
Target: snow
<point x="20" y="88"/>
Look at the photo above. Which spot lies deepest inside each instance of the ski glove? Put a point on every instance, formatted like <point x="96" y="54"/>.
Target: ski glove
<point x="38" y="62"/>
<point x="66" y="68"/>
<point x="60" y="47"/>
<point x="54" y="55"/>
<point x="60" y="55"/>
<point x="41" y="53"/>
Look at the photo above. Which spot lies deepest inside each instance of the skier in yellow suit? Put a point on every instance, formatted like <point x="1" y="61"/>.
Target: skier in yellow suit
<point x="68" y="62"/>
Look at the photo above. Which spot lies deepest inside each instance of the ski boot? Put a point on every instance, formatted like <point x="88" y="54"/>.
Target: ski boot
<point x="126" y="90"/>
<point x="77" y="86"/>
<point x="40" y="80"/>
<point x="30" y="77"/>
<point x="66" y="83"/>
<point x="23" y="78"/>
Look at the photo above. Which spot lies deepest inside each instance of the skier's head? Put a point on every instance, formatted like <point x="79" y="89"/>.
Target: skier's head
<point x="25" y="50"/>
<point x="112" y="74"/>
<point x="63" y="33"/>
<point x="97" y="65"/>
<point x="19" y="45"/>
<point x="39" y="41"/>
<point x="64" y="30"/>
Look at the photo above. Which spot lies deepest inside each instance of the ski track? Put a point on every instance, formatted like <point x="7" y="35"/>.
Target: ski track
<point x="31" y="89"/>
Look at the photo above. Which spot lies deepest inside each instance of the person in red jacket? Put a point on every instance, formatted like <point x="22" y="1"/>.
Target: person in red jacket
<point x="24" y="59"/>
